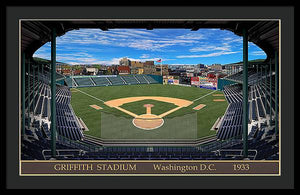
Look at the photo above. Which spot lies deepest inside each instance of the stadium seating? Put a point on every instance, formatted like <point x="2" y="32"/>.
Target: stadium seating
<point x="116" y="80"/>
<point x="110" y="80"/>
<point x="252" y="76"/>
<point x="150" y="79"/>
<point x="69" y="82"/>
<point x="258" y="104"/>
<point x="141" y="79"/>
<point x="84" y="81"/>
<point x="101" y="81"/>
<point x="130" y="80"/>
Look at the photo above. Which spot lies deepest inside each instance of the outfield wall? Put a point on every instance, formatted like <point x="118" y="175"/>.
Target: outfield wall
<point x="223" y="82"/>
<point x="158" y="78"/>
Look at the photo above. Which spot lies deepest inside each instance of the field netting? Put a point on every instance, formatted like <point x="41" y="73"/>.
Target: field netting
<point x="182" y="127"/>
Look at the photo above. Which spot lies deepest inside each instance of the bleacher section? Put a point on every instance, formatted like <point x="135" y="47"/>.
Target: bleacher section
<point x="69" y="82"/>
<point x="258" y="104"/>
<point x="150" y="79"/>
<point x="101" y="81"/>
<point x="264" y="142"/>
<point x="141" y="79"/>
<point x="109" y="80"/>
<point x="231" y="125"/>
<point x="38" y="121"/>
<point x="130" y="80"/>
<point x="116" y="80"/>
<point x="252" y="76"/>
<point x="84" y="81"/>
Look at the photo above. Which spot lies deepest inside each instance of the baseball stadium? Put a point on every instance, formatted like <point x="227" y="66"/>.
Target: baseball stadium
<point x="149" y="116"/>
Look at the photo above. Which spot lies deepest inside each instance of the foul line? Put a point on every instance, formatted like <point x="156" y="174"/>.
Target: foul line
<point x="90" y="95"/>
<point x="203" y="96"/>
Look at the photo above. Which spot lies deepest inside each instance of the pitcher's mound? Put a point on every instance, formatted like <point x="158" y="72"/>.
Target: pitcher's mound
<point x="148" y="121"/>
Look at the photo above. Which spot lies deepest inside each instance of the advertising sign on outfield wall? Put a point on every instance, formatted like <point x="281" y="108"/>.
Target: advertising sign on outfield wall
<point x="195" y="81"/>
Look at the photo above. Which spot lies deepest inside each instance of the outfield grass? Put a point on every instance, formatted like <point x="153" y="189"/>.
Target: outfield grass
<point x="206" y="117"/>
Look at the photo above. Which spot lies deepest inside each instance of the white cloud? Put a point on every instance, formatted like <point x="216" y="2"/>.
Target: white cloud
<point x="228" y="40"/>
<point x="207" y="55"/>
<point x="133" y="38"/>
<point x="258" y="53"/>
<point x="145" y="56"/>
<point x="210" y="48"/>
<point x="192" y="36"/>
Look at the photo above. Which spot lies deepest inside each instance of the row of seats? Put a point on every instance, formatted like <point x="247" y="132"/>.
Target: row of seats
<point x="101" y="81"/>
<point x="83" y="81"/>
<point x="66" y="122"/>
<point x="265" y="143"/>
<point x="141" y="79"/>
<point x="258" y="107"/>
<point x="110" y="80"/>
<point x="252" y="76"/>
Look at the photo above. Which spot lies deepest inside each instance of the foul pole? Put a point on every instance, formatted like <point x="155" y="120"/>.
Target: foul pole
<point x="161" y="67"/>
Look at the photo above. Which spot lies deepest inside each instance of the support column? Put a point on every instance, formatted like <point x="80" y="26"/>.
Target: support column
<point x="38" y="77"/>
<point x="266" y="87"/>
<point x="43" y="71"/>
<point x="33" y="90"/>
<point x="276" y="92"/>
<point x="261" y="74"/>
<point x="257" y="74"/>
<point x="270" y="92"/>
<point x="245" y="93"/>
<point x="53" y="92"/>
<point x="28" y="94"/>
<point x="23" y="92"/>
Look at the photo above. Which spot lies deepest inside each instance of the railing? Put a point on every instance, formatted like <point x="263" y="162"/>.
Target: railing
<point x="64" y="151"/>
<point x="219" y="144"/>
<point x="78" y="144"/>
<point x="232" y="153"/>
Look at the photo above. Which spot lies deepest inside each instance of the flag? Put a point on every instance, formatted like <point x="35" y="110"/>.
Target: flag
<point x="158" y="60"/>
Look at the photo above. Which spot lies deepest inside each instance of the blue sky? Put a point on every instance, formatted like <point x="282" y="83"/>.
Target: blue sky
<point x="173" y="46"/>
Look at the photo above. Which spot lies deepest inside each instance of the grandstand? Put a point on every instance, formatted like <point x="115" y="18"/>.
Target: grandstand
<point x="100" y="81"/>
<point x="109" y="80"/>
<point x="84" y="82"/>
<point x="50" y="128"/>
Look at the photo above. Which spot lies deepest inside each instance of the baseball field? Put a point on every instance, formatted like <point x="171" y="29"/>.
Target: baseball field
<point x="150" y="111"/>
